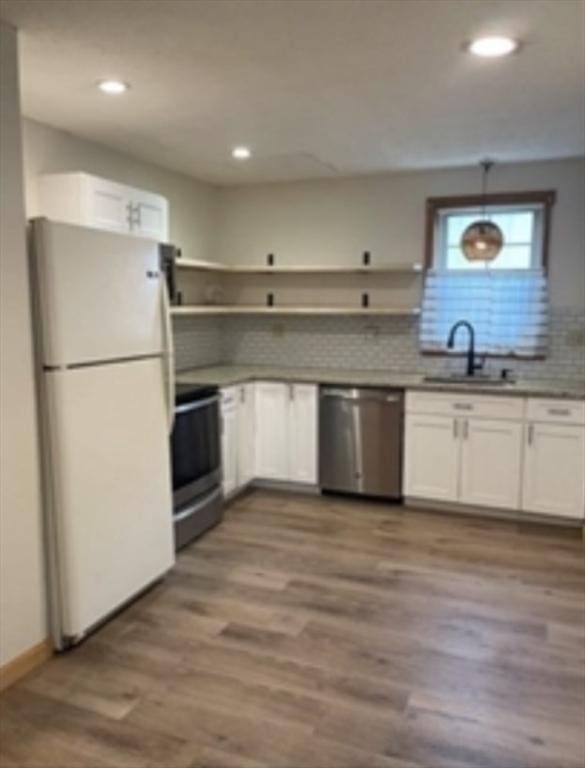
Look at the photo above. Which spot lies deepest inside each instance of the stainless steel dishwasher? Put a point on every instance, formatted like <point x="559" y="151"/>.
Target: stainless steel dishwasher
<point x="360" y="441"/>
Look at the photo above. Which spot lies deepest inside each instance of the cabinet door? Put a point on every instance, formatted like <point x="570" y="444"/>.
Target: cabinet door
<point x="149" y="215"/>
<point x="554" y="468"/>
<point x="229" y="440"/>
<point x="246" y="434"/>
<point x="272" y="430"/>
<point x="106" y="204"/>
<point x="431" y="457"/>
<point x="491" y="463"/>
<point x="303" y="433"/>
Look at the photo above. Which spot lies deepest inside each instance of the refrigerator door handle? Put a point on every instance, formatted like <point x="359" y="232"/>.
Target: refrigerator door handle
<point x="168" y="353"/>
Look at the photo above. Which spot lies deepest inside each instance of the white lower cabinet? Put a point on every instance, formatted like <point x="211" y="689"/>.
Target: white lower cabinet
<point x="477" y="451"/>
<point x="491" y="463"/>
<point x="246" y="434"/>
<point x="286" y="432"/>
<point x="229" y="439"/>
<point x="302" y="464"/>
<point x="431" y="460"/>
<point x="237" y="436"/>
<point x="268" y="431"/>
<point x="500" y="452"/>
<point x="554" y="470"/>
<point x="272" y="436"/>
<point x="470" y="461"/>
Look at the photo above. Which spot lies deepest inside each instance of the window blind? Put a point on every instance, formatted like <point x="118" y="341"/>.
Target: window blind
<point x="507" y="308"/>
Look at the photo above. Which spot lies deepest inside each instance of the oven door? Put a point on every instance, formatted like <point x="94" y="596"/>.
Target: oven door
<point x="195" y="449"/>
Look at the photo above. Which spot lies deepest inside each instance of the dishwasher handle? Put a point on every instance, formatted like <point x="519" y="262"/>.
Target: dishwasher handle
<point x="361" y="395"/>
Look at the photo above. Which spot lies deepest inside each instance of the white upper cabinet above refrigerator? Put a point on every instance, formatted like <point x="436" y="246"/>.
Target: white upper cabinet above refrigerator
<point x="149" y="215"/>
<point x="80" y="198"/>
<point x="99" y="294"/>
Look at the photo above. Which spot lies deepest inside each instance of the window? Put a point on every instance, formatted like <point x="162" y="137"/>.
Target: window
<point x="506" y="300"/>
<point x="522" y="232"/>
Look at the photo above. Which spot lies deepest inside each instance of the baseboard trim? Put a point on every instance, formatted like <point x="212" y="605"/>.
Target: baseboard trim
<point x="497" y="513"/>
<point x="25" y="663"/>
<point x="285" y="485"/>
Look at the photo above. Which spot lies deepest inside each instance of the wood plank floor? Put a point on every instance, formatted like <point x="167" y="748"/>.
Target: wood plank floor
<point x="309" y="632"/>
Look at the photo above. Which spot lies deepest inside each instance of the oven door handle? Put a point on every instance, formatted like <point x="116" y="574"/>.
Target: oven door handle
<point x="194" y="508"/>
<point x="196" y="404"/>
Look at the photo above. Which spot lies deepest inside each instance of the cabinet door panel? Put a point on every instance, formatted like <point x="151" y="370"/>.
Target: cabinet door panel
<point x="229" y="446"/>
<point x="246" y="434"/>
<point x="107" y="205"/>
<point x="149" y="215"/>
<point x="431" y="462"/>
<point x="272" y="430"/>
<point x="491" y="463"/>
<point x="554" y="482"/>
<point x="303" y="434"/>
<point x="80" y="198"/>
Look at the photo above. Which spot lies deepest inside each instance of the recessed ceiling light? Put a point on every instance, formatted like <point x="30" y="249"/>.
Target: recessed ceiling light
<point x="113" y="87"/>
<point x="492" y="47"/>
<point x="241" y="153"/>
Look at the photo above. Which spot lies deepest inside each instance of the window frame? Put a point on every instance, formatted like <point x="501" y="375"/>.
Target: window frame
<point x="435" y="206"/>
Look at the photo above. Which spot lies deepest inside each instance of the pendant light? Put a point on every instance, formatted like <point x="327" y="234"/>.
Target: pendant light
<point x="482" y="240"/>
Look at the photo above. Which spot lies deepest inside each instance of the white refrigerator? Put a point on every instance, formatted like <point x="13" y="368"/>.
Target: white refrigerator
<point x="104" y="352"/>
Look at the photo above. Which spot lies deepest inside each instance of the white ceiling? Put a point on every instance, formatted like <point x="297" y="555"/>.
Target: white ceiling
<point x="317" y="88"/>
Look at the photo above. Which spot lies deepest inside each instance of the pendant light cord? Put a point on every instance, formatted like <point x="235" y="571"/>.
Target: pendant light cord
<point x="486" y="165"/>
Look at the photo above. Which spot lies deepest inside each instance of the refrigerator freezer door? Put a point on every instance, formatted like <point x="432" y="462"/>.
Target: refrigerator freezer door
<point x="99" y="294"/>
<point x="111" y="505"/>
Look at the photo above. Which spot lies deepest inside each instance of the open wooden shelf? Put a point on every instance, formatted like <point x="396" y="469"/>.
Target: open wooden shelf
<point x="319" y="269"/>
<point x="203" y="266"/>
<point x="324" y="269"/>
<point x="234" y="309"/>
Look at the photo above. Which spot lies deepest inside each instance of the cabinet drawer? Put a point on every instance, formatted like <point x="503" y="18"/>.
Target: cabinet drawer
<point x="447" y="404"/>
<point x="557" y="411"/>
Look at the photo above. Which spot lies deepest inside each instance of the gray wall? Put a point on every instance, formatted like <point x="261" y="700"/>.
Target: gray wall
<point x="329" y="222"/>
<point x="333" y="221"/>
<point x="22" y="583"/>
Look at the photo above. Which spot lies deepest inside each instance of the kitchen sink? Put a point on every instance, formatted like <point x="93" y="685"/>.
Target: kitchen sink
<point x="462" y="379"/>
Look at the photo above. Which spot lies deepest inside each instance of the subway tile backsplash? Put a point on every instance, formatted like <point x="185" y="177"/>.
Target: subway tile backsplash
<point x="352" y="342"/>
<point x="198" y="342"/>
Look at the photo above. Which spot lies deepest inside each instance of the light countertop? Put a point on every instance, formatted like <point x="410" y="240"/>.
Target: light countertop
<point x="226" y="375"/>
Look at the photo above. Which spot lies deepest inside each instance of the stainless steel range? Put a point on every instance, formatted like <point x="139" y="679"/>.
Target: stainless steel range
<point x="196" y="462"/>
